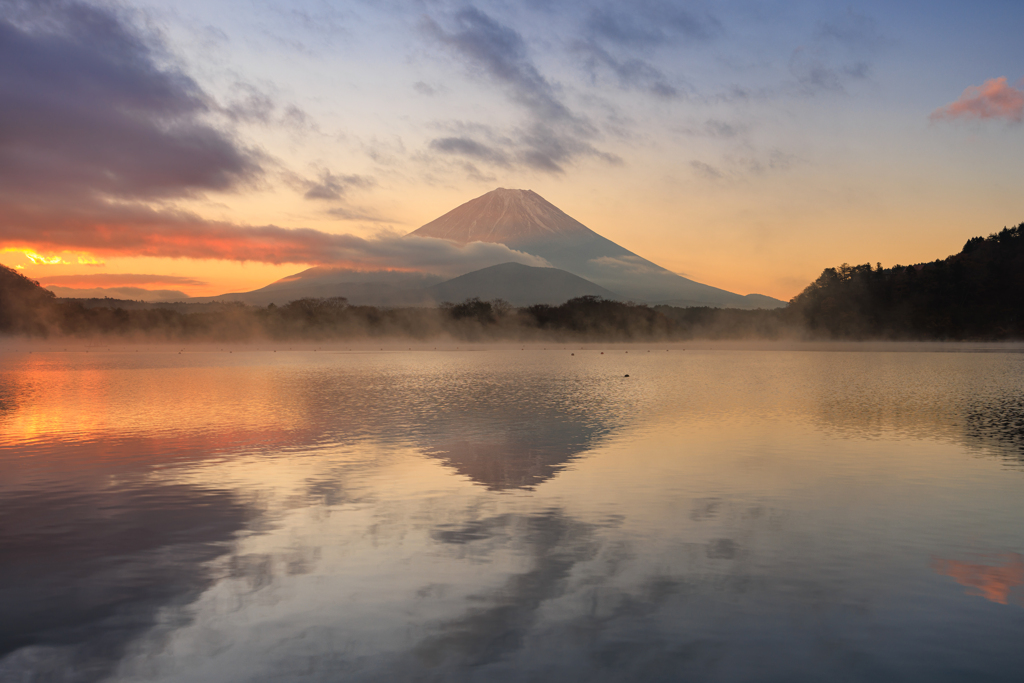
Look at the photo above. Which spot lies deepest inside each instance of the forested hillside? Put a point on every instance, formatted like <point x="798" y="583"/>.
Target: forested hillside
<point x="976" y="294"/>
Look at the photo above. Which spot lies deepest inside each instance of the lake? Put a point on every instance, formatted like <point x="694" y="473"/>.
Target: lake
<point x="511" y="514"/>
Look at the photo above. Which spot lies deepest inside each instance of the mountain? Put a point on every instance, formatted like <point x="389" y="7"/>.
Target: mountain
<point x="367" y="288"/>
<point x="584" y="263"/>
<point x="525" y="221"/>
<point x="517" y="284"/>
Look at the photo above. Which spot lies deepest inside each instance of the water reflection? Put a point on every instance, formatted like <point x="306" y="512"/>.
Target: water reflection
<point x="83" y="573"/>
<point x="998" y="419"/>
<point x="507" y="516"/>
<point x="521" y="458"/>
<point x="994" y="578"/>
<point x="972" y="399"/>
<point x="502" y="618"/>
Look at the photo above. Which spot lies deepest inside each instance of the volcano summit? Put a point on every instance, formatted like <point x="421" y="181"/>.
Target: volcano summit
<point x="525" y="221"/>
<point x="585" y="263"/>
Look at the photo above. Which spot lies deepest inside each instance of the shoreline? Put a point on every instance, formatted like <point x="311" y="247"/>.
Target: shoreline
<point x="14" y="345"/>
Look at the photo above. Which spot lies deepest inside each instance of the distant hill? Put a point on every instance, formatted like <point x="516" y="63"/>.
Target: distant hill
<point x="517" y="284"/>
<point x="525" y="221"/>
<point x="24" y="305"/>
<point x="367" y="288"/>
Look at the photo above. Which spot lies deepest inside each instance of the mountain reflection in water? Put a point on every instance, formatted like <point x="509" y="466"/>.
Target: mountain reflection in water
<point x="508" y="516"/>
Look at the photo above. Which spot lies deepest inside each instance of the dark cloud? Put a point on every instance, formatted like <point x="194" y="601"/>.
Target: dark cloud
<point x="853" y="30"/>
<point x="815" y="73"/>
<point x="424" y="88"/>
<point x="706" y="170"/>
<point x="735" y="167"/>
<point x="92" y="109"/>
<point x="296" y="118"/>
<point x="839" y="54"/>
<point x="631" y="72"/>
<point x="331" y="186"/>
<point x="777" y="160"/>
<point x="546" y="149"/>
<point x="349" y="213"/>
<point x="652" y="22"/>
<point x="499" y="52"/>
<point x="553" y="137"/>
<point x="470" y="148"/>
<point x="722" y="129"/>
<point x="97" y="122"/>
<point x="250" y="104"/>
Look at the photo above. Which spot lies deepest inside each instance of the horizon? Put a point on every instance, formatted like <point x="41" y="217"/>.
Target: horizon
<point x="208" y="150"/>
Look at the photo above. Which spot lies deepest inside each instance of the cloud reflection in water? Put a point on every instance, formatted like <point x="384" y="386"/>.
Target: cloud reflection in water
<point x="503" y="516"/>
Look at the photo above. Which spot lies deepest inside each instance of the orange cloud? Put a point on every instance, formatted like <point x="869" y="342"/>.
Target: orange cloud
<point x="992" y="100"/>
<point x="117" y="280"/>
<point x="37" y="259"/>
<point x="109" y="229"/>
<point x="992" y="582"/>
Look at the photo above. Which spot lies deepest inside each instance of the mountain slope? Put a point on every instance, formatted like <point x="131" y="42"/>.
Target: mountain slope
<point x="24" y="305"/>
<point x="369" y="288"/>
<point x="517" y="284"/>
<point x="525" y="221"/>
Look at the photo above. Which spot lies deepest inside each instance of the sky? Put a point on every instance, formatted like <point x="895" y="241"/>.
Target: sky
<point x="209" y="146"/>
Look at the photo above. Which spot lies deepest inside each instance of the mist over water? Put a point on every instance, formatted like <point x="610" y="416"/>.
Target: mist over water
<point x="511" y="514"/>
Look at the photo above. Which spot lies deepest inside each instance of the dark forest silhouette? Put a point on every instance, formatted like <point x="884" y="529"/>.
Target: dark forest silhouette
<point x="977" y="294"/>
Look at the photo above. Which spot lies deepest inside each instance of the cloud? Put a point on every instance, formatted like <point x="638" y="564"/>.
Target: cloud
<point x="129" y="293"/>
<point x="347" y="213"/>
<point x="424" y="88"/>
<point x="252" y="105"/>
<point x="102" y="129"/>
<point x="500" y="52"/>
<point x="651" y="22"/>
<point x="92" y="108"/>
<point x="469" y="148"/>
<point x="332" y="186"/>
<point x="814" y="72"/>
<point x="994" y="99"/>
<point x="118" y="280"/>
<point x="722" y="129"/>
<point x="736" y="167"/>
<point x="852" y="30"/>
<point x="133" y="230"/>
<point x="546" y="148"/>
<point x="706" y="170"/>
<point x="841" y="52"/>
<point x="553" y="136"/>
<point x="631" y="72"/>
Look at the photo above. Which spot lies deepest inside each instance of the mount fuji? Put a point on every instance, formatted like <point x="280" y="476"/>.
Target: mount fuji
<point x="584" y="263"/>
<point x="525" y="221"/>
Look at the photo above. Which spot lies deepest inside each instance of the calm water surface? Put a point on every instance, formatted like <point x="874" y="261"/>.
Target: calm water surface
<point x="507" y="515"/>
